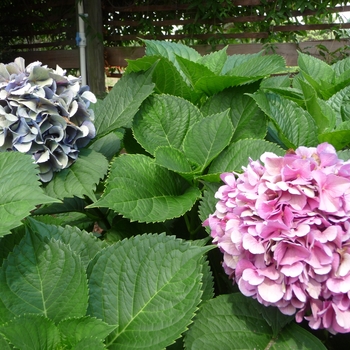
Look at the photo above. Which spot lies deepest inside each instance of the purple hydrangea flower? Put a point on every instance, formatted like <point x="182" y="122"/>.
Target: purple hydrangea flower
<point x="44" y="113"/>
<point x="283" y="226"/>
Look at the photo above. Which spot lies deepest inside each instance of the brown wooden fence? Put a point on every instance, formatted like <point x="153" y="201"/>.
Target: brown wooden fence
<point x="116" y="17"/>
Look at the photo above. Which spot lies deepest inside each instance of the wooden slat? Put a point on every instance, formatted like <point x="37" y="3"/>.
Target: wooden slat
<point x="63" y="58"/>
<point x="246" y="35"/>
<point x="41" y="45"/>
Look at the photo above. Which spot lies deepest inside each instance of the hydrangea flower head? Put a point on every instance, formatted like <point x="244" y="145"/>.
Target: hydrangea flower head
<point x="283" y="226"/>
<point x="44" y="113"/>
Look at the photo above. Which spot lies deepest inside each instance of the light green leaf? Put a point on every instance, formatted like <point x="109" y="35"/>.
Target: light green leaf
<point x="164" y="120"/>
<point x="32" y="331"/>
<point x="44" y="278"/>
<point x="88" y="344"/>
<point x="194" y="71"/>
<point x="207" y="138"/>
<point x="123" y="101"/>
<point x="337" y="101"/>
<point x="247" y="118"/>
<point x="338" y="138"/>
<point x="237" y="155"/>
<point x="345" y="155"/>
<point x="232" y="322"/>
<point x="82" y="243"/>
<point x="215" y="61"/>
<point x="321" y="112"/>
<point x="295" y="125"/>
<point x="20" y="189"/>
<point x="233" y="61"/>
<point x="141" y="190"/>
<point x="259" y="66"/>
<point x="149" y="286"/>
<point x="166" y="77"/>
<point x="74" y="330"/>
<point x="172" y="159"/>
<point x="170" y="50"/>
<point x="319" y="70"/>
<point x="81" y="178"/>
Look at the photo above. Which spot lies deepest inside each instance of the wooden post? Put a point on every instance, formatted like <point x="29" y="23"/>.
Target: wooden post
<point x="94" y="48"/>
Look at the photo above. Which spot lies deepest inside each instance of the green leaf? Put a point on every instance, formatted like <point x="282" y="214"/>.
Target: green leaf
<point x="164" y="120"/>
<point x="123" y="101"/>
<point x="74" y="330"/>
<point x="44" y="278"/>
<point x="166" y="77"/>
<point x="194" y="70"/>
<point x="338" y="138"/>
<point x="345" y="155"/>
<point x="337" y="101"/>
<point x="295" y="125"/>
<point x="88" y="344"/>
<point x="215" y="61"/>
<point x="82" y="243"/>
<point x="207" y="138"/>
<point x="150" y="290"/>
<point x="172" y="159"/>
<point x="81" y="178"/>
<point x="141" y="190"/>
<point x="4" y="345"/>
<point x="233" y="61"/>
<point x="247" y="118"/>
<point x="170" y="50"/>
<point x="208" y="201"/>
<point x="318" y="74"/>
<point x="108" y="145"/>
<point x="237" y="155"/>
<point x="232" y="322"/>
<point x="8" y="243"/>
<point x="30" y="332"/>
<point x="259" y="66"/>
<point x="321" y="112"/>
<point x="20" y="189"/>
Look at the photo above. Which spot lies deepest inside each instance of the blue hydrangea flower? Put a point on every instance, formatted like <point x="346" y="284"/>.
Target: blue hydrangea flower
<point x="44" y="113"/>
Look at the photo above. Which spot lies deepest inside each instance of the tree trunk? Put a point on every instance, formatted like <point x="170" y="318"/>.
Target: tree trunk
<point x="94" y="48"/>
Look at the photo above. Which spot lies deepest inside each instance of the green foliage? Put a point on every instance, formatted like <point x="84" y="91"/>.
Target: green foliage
<point x="112" y="252"/>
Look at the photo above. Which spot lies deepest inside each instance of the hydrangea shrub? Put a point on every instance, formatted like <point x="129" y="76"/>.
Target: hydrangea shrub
<point x="283" y="226"/>
<point x="44" y="113"/>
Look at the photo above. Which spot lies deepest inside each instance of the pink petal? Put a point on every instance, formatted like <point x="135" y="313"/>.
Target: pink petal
<point x="271" y="291"/>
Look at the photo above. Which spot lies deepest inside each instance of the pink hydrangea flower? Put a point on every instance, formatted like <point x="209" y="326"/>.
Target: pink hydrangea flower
<point x="283" y="226"/>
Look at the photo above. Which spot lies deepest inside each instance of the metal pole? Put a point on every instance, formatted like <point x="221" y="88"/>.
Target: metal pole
<point x="81" y="42"/>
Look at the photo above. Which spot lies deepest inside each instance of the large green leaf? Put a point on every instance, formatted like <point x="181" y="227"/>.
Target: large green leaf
<point x="164" y="120"/>
<point x="20" y="189"/>
<point x="236" y="60"/>
<point x="44" y="278"/>
<point x="149" y="286"/>
<point x="74" y="330"/>
<point x="322" y="113"/>
<point x="237" y="155"/>
<point x="247" y="118"/>
<point x="215" y="61"/>
<point x="82" y="243"/>
<point x="207" y="138"/>
<point x="259" y="66"/>
<point x="233" y="321"/>
<point x="32" y="331"/>
<point x="295" y="125"/>
<point x="81" y="178"/>
<point x="141" y="190"/>
<point x="194" y="70"/>
<point x="337" y="101"/>
<point x="170" y="50"/>
<point x="318" y="73"/>
<point x="123" y="101"/>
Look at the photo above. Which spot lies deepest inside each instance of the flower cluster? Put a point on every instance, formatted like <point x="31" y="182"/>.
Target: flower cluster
<point x="284" y="230"/>
<point x="44" y="113"/>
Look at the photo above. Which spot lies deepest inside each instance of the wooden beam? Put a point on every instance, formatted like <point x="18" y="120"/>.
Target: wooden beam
<point x="64" y="58"/>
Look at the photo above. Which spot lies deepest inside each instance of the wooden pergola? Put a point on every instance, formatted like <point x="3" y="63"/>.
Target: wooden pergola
<point x="105" y="20"/>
